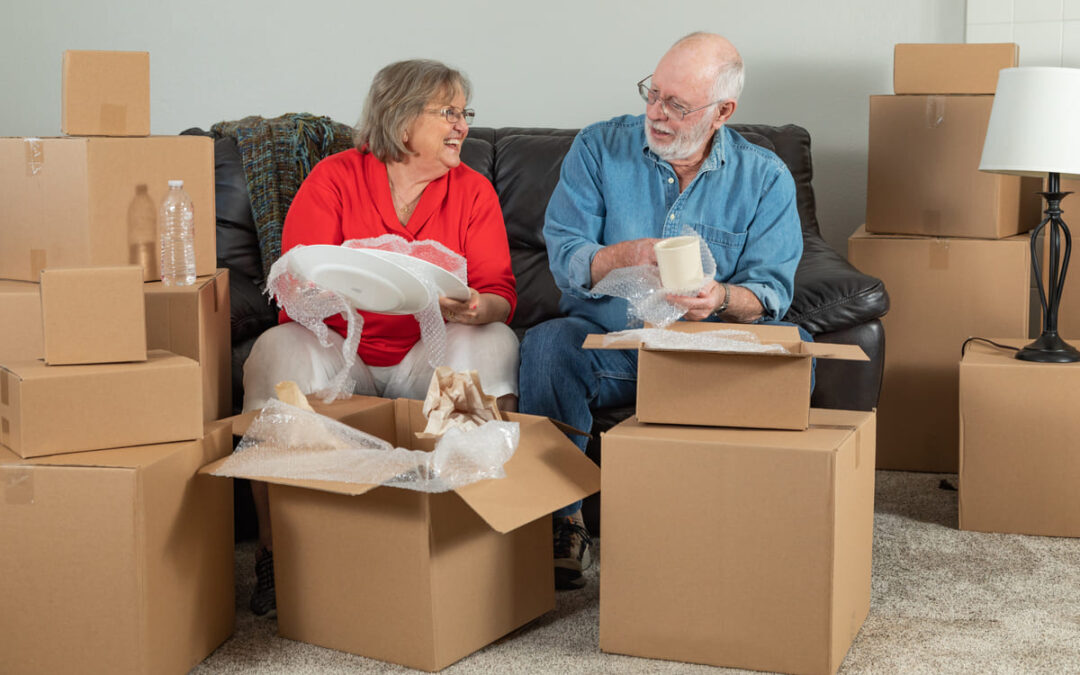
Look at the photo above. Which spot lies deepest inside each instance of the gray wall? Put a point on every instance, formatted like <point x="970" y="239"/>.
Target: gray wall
<point x="558" y="63"/>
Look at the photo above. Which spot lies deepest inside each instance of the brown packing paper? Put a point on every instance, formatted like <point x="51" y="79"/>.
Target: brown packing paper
<point x="456" y="400"/>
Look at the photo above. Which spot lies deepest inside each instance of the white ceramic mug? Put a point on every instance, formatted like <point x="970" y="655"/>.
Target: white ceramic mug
<point x="679" y="260"/>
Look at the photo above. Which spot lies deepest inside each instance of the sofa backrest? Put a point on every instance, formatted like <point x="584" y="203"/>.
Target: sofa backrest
<point x="523" y="165"/>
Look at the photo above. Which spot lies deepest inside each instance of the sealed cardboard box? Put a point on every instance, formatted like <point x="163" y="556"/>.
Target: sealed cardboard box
<point x="778" y="576"/>
<point x="106" y="93"/>
<point x="20" y="321"/>
<point x="93" y="315"/>
<point x="941" y="292"/>
<point x="728" y="388"/>
<point x="416" y="578"/>
<point x="951" y="68"/>
<point x="47" y="410"/>
<point x="923" y="171"/>
<point x="90" y="202"/>
<point x="117" y="561"/>
<point x="1019" y="443"/>
<point x="193" y="321"/>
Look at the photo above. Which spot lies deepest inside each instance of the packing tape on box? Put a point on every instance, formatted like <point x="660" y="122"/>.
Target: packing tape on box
<point x="35" y="156"/>
<point x="112" y="117"/>
<point x="939" y="254"/>
<point x="846" y="427"/>
<point x="935" y="111"/>
<point x="17" y="483"/>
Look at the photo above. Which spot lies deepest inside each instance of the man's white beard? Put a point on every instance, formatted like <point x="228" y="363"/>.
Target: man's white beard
<point x="685" y="144"/>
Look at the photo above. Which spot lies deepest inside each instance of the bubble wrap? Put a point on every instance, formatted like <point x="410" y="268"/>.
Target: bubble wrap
<point x="287" y="442"/>
<point x="310" y="305"/>
<point x="720" y="340"/>
<point x="640" y="286"/>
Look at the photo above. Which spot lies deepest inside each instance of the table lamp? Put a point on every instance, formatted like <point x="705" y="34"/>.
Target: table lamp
<point x="1034" y="131"/>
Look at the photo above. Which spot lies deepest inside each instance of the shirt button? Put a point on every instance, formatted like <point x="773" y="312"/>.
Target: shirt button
<point x="671" y="217"/>
<point x="670" y="180"/>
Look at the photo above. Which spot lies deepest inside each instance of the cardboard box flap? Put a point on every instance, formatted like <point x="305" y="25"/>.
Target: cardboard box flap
<point x="830" y="350"/>
<point x="789" y="339"/>
<point x="341" y="410"/>
<point x="337" y="487"/>
<point x="546" y="473"/>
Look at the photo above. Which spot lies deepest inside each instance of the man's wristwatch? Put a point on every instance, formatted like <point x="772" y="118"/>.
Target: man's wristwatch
<point x="727" y="298"/>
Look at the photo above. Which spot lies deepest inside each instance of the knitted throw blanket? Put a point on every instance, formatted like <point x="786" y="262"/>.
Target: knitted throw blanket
<point x="278" y="154"/>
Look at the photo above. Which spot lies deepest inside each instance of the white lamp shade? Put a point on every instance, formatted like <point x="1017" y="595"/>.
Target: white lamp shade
<point x="1034" y="123"/>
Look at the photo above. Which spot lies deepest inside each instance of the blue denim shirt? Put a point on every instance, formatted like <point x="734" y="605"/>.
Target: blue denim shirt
<point x="613" y="188"/>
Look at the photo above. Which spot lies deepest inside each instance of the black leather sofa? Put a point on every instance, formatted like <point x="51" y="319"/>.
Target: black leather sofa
<point x="833" y="301"/>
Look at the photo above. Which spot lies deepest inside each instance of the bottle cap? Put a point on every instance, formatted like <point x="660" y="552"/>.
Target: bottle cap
<point x="176" y="183"/>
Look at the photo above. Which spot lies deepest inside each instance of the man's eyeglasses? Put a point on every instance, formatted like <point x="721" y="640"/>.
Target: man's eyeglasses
<point x="650" y="96"/>
<point x="455" y="115"/>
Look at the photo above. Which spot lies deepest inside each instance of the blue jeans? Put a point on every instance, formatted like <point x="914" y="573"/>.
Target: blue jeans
<point x="560" y="380"/>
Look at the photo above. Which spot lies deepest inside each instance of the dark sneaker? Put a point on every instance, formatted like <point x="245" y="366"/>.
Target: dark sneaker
<point x="572" y="552"/>
<point x="263" y="599"/>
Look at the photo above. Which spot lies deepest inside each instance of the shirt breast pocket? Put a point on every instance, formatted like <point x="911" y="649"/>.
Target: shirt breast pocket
<point x="726" y="246"/>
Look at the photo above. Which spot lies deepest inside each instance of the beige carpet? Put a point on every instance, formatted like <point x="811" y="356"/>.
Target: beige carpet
<point x="943" y="601"/>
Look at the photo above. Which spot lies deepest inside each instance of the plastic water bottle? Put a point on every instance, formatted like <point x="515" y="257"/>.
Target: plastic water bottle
<point x="176" y="225"/>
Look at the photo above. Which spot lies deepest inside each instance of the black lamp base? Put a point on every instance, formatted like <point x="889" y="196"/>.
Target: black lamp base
<point x="1049" y="348"/>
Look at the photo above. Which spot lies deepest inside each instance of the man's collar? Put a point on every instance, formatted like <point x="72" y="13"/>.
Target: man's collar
<point x="713" y="160"/>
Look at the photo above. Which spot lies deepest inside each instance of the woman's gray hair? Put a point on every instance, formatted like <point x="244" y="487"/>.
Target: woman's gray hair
<point x="398" y="95"/>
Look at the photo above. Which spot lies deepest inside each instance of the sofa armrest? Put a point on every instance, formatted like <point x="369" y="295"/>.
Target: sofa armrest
<point x="830" y="293"/>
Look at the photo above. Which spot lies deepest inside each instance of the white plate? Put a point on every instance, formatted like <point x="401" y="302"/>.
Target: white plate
<point x="445" y="281"/>
<point x="369" y="282"/>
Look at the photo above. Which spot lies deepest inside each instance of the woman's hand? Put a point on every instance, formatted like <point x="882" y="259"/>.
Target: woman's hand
<point x="479" y="309"/>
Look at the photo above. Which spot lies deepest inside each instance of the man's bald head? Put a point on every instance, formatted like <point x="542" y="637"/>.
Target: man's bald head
<point x="708" y="56"/>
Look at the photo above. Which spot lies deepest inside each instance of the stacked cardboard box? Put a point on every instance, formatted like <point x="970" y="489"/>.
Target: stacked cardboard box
<point x="101" y="428"/>
<point x="738" y="522"/>
<point x="944" y="237"/>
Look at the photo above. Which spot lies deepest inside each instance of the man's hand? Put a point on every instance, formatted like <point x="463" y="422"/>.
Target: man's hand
<point x="701" y="306"/>
<point x="624" y="254"/>
<point x="742" y="307"/>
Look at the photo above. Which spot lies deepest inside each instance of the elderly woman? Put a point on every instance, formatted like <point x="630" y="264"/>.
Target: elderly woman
<point x="403" y="177"/>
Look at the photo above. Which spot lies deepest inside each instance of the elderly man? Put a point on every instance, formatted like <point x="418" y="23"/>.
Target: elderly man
<point x="624" y="184"/>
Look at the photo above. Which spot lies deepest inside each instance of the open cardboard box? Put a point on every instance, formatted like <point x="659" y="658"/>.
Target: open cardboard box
<point x="116" y="561"/>
<point x="415" y="578"/>
<point x="729" y="389"/>
<point x="744" y="548"/>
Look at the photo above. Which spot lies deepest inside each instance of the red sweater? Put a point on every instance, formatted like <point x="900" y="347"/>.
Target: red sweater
<point x="347" y="196"/>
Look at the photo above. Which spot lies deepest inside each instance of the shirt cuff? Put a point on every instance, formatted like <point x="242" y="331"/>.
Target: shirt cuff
<point x="579" y="269"/>
<point x="767" y="297"/>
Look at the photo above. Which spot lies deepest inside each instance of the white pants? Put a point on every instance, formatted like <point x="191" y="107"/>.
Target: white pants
<point x="291" y="352"/>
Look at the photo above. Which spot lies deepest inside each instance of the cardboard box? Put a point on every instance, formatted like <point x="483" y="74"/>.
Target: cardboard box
<point x="93" y="315"/>
<point x="106" y="93"/>
<point x="951" y="68"/>
<point x="47" y="410"/>
<point x="20" y="321"/>
<point x="415" y="578"/>
<point x="118" y="561"/>
<point x="193" y="321"/>
<point x="92" y="202"/>
<point x="742" y="548"/>
<point x="729" y="389"/>
<point x="923" y="171"/>
<point x="941" y="291"/>
<point x="1019" y="443"/>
